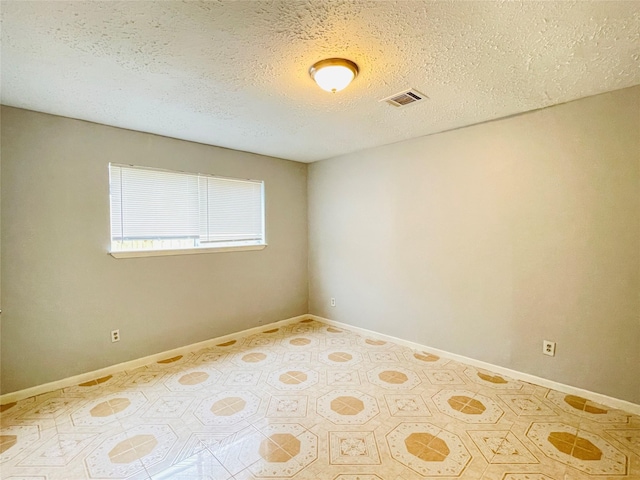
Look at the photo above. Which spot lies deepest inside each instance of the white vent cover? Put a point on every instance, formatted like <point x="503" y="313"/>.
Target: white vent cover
<point x="402" y="99"/>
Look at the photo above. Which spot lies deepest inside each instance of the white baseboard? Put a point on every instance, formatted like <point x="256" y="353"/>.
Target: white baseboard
<point x="593" y="396"/>
<point x="132" y="364"/>
<point x="139" y="362"/>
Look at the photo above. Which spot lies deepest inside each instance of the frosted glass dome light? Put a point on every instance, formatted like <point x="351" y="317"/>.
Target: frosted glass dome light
<point x="333" y="74"/>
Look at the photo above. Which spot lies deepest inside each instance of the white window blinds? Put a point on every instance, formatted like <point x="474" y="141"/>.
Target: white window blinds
<point x="162" y="210"/>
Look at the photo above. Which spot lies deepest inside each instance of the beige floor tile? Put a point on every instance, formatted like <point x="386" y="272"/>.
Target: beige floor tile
<point x="310" y="401"/>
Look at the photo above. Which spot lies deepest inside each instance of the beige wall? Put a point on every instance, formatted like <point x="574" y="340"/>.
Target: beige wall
<point x="62" y="294"/>
<point x="486" y="240"/>
<point x="482" y="241"/>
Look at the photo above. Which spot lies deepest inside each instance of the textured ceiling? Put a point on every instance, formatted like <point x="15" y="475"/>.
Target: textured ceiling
<point x="235" y="74"/>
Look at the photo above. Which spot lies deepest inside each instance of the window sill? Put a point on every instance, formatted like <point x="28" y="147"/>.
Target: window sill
<point x="185" y="251"/>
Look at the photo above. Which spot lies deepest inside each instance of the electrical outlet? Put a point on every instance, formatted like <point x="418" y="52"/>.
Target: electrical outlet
<point x="115" y="335"/>
<point x="333" y="302"/>
<point x="549" y="348"/>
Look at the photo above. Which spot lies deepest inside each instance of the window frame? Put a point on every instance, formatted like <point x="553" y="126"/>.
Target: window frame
<point x="208" y="248"/>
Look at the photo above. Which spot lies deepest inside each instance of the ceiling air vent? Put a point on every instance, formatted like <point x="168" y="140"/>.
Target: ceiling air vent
<point x="402" y="99"/>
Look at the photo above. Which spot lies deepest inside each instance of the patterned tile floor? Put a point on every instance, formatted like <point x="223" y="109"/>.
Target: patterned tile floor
<point x="311" y="401"/>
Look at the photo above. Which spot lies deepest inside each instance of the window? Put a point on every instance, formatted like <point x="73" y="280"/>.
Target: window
<point x="161" y="212"/>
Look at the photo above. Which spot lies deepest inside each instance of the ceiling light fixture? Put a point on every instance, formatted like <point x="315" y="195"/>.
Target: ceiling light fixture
<point x="334" y="74"/>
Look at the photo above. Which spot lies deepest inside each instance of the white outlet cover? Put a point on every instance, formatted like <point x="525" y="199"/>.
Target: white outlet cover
<point x="549" y="348"/>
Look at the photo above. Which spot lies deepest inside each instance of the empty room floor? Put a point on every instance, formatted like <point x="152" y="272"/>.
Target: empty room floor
<point x="312" y="401"/>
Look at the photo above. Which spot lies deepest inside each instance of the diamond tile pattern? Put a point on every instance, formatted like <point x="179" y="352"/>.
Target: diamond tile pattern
<point x="308" y="401"/>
